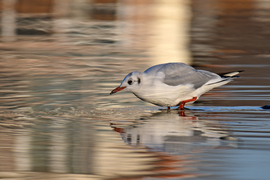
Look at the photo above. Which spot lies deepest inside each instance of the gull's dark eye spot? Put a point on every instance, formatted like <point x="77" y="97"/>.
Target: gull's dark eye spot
<point x="139" y="80"/>
<point x="130" y="82"/>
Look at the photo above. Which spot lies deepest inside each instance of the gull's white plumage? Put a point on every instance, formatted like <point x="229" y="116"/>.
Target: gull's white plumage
<point x="172" y="84"/>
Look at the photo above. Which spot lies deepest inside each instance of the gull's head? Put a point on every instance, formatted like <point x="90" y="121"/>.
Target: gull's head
<point x="130" y="83"/>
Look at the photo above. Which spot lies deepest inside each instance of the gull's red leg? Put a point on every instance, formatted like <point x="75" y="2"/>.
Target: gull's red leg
<point x="182" y="104"/>
<point x="182" y="113"/>
<point x="169" y="107"/>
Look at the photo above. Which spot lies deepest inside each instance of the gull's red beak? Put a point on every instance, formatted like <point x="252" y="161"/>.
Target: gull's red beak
<point x="117" y="89"/>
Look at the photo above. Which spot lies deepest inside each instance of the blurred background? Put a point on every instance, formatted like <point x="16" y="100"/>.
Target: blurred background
<point x="73" y="53"/>
<point x="59" y="60"/>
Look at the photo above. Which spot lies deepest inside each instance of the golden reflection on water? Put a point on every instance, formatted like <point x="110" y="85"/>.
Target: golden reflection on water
<point x="170" y="32"/>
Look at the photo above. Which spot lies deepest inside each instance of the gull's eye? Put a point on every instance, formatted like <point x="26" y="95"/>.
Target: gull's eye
<point x="139" y="80"/>
<point x="130" y="82"/>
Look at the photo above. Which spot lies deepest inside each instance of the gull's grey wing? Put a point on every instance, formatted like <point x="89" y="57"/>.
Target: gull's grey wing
<point x="152" y="71"/>
<point x="180" y="73"/>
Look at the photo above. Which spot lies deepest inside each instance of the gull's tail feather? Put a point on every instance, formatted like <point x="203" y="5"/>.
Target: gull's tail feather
<point x="226" y="77"/>
<point x="230" y="74"/>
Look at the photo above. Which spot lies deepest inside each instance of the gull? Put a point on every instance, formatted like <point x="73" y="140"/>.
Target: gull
<point x="172" y="84"/>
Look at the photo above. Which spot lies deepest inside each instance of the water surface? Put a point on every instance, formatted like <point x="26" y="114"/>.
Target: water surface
<point x="58" y="121"/>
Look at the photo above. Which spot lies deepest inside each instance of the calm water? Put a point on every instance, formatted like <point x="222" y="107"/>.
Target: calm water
<point x="58" y="121"/>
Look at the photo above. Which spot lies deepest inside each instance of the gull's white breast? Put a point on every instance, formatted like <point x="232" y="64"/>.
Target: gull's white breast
<point x="162" y="94"/>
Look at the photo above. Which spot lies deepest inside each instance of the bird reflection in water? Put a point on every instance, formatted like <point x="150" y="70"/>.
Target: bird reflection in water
<point x="171" y="132"/>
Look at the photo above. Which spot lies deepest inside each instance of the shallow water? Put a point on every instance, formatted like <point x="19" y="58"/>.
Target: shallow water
<point x="58" y="120"/>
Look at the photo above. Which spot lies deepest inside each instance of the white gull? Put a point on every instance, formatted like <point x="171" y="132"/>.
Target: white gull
<point x="172" y="84"/>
